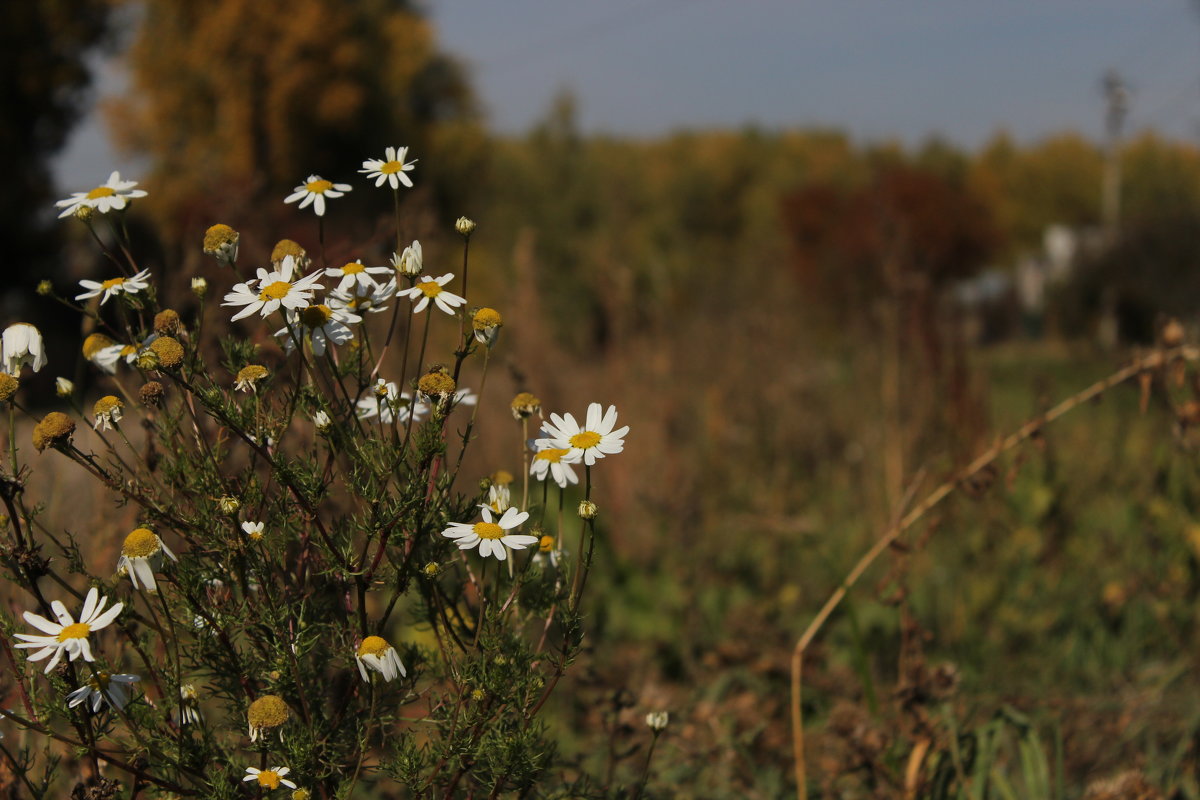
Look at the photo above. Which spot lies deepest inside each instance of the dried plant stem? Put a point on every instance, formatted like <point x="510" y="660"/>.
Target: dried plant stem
<point x="1150" y="361"/>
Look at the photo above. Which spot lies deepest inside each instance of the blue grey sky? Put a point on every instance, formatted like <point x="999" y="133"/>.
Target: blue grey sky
<point x="879" y="69"/>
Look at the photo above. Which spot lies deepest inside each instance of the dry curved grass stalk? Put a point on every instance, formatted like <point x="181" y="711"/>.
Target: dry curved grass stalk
<point x="1140" y="365"/>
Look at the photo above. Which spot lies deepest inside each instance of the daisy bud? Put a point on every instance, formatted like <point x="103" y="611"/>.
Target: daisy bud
<point x="301" y="794"/>
<point x="8" y="386"/>
<point x="54" y="430"/>
<point x="166" y="323"/>
<point x="229" y="505"/>
<point x="221" y="242"/>
<point x="63" y="387"/>
<point x="588" y="509"/>
<point x="432" y="569"/>
<point x="525" y="405"/>
<point x="151" y="394"/>
<point x="322" y="422"/>
<point x="44" y="288"/>
<point x="169" y="351"/>
<point x="486" y="324"/>
<point x="657" y="721"/>
<point x="266" y="714"/>
<point x="199" y="287"/>
<point x="85" y="213"/>
<point x="464" y="226"/>
<point x="410" y="262"/>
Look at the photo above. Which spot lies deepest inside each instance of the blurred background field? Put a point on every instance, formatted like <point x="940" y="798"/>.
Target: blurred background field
<point x="800" y="323"/>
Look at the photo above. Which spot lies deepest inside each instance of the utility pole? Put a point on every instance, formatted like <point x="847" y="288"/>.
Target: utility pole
<point x="1116" y="96"/>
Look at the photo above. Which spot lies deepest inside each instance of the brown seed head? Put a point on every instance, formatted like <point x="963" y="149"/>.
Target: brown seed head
<point x="166" y="323"/>
<point x="151" y="394"/>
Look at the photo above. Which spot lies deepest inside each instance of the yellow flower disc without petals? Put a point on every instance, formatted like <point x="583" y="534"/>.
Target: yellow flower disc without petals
<point x="373" y="646"/>
<point x="436" y="384"/>
<point x="287" y="247"/>
<point x="8" y="386"/>
<point x="141" y="543"/>
<point x="268" y="778"/>
<point x="252" y="373"/>
<point x="268" y="711"/>
<point x="319" y="187"/>
<point x="107" y="404"/>
<point x="54" y="429"/>
<point x="169" y="351"/>
<point x="218" y="236"/>
<point x="430" y="288"/>
<point x="486" y="318"/>
<point x="488" y="530"/>
<point x="353" y="268"/>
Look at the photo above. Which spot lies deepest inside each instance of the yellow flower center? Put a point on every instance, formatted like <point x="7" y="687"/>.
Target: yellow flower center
<point x="430" y="288"/>
<point x="353" y="268"/>
<point x="552" y="455"/>
<point x="142" y="543"/>
<point x="268" y="778"/>
<point x="268" y="711"/>
<point x="585" y="439"/>
<point x="488" y="530"/>
<point x="94" y="344"/>
<point x="101" y="191"/>
<point x="99" y="681"/>
<point x="315" y="316"/>
<point x="252" y="373"/>
<point x="128" y="350"/>
<point x="391" y="167"/>
<point x="275" y="291"/>
<point x="106" y="405"/>
<point x="546" y="543"/>
<point x="373" y="646"/>
<point x="319" y="187"/>
<point x="112" y="283"/>
<point x="79" y="630"/>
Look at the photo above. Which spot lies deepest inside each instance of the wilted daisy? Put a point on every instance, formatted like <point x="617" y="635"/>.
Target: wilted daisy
<point x="355" y="274"/>
<point x="321" y="421"/>
<point x="104" y="687"/>
<point x="430" y="289"/>
<point x="221" y="242"/>
<point x="270" y="290"/>
<point x="189" y="703"/>
<point x="388" y="403"/>
<point x="21" y="344"/>
<point x="550" y="461"/>
<point x="314" y="191"/>
<point x="361" y="300"/>
<point x="109" y="196"/>
<point x="548" y="550"/>
<point x="320" y="324"/>
<point x="376" y="654"/>
<point x="64" y="387"/>
<point x="253" y="530"/>
<point x="249" y="376"/>
<point x="108" y="412"/>
<point x="390" y="170"/>
<point x="266" y="714"/>
<point x="592" y="441"/>
<point x="485" y="324"/>
<point x="114" y="286"/>
<point x="491" y="537"/>
<point x="66" y="635"/>
<point x="269" y="778"/>
<point x="141" y="556"/>
<point x="410" y="262"/>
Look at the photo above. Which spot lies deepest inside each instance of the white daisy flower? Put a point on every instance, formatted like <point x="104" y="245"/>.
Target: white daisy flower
<point x="410" y="262"/>
<point x="389" y="403"/>
<point x="548" y="551"/>
<point x="550" y="461"/>
<point x="104" y="687"/>
<point x="253" y="530"/>
<point x="592" y="441"/>
<point x="141" y="556"/>
<point x="431" y="289"/>
<point x="110" y="196"/>
<point x="499" y="498"/>
<point x="376" y="654"/>
<point x="269" y="778"/>
<point x="21" y="344"/>
<point x="491" y="537"/>
<point x="321" y="421"/>
<point x="114" y="286"/>
<point x="390" y="170"/>
<point x="108" y="412"/>
<point x="363" y="299"/>
<point x="314" y="191"/>
<point x="356" y="276"/>
<point x="189" y="703"/>
<point x="271" y="290"/>
<point x="465" y="397"/>
<point x="320" y="324"/>
<point x="67" y="635"/>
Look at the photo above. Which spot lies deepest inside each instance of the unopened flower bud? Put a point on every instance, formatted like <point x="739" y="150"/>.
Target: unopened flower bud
<point x="221" y="242"/>
<point x="588" y="509"/>
<point x="44" y="288"/>
<point x="84" y="213"/>
<point x="525" y="405"/>
<point x="229" y="505"/>
<point x="63" y="387"/>
<point x="657" y="720"/>
<point x="199" y="287"/>
<point x="464" y="226"/>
